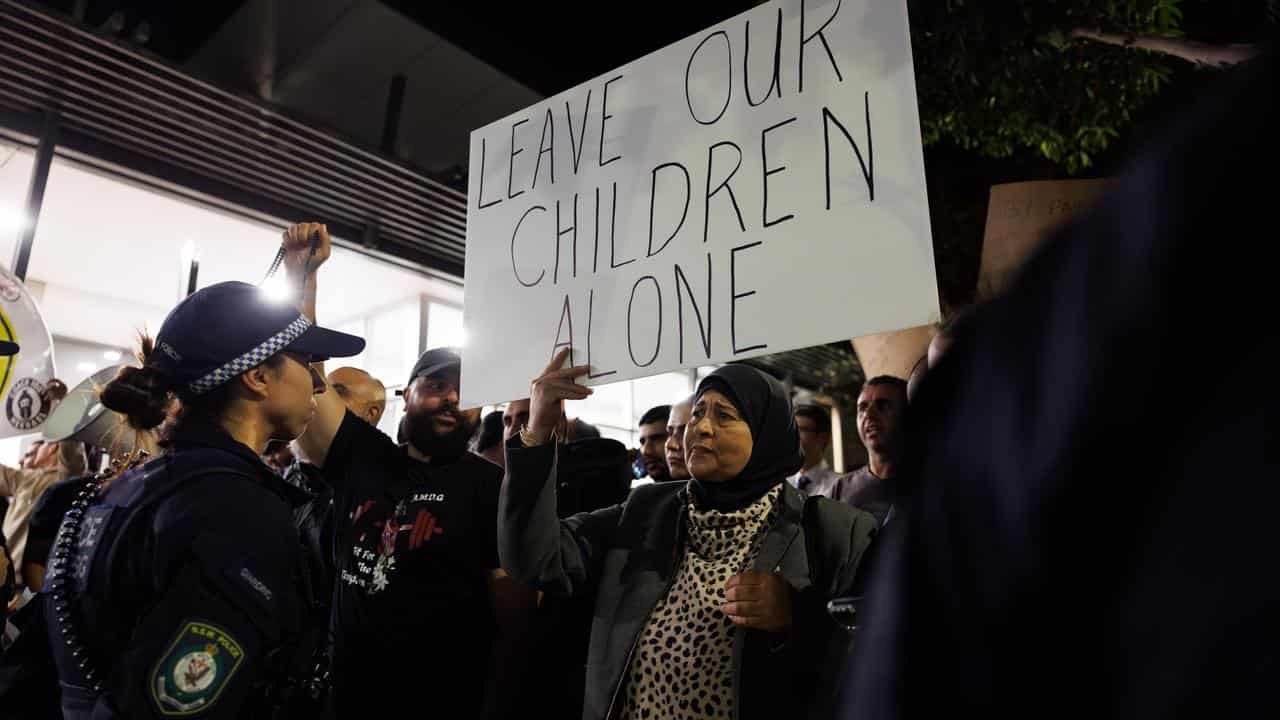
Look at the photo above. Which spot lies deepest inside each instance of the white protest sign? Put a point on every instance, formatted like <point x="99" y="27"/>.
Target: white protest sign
<point x="755" y="188"/>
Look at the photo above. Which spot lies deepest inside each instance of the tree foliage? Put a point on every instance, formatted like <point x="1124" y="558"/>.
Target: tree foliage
<point x="1003" y="77"/>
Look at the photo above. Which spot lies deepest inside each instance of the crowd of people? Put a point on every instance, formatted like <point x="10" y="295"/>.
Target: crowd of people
<point x="277" y="555"/>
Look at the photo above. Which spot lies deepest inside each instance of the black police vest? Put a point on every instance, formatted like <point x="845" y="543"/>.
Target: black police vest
<point x="85" y="628"/>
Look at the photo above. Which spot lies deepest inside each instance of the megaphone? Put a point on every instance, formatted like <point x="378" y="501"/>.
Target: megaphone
<point x="25" y="400"/>
<point x="81" y="416"/>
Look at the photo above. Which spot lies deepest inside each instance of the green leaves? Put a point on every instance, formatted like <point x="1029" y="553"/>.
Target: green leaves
<point x="1166" y="16"/>
<point x="1005" y="79"/>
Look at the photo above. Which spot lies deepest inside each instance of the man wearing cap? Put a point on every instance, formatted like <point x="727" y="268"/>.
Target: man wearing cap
<point x="423" y="617"/>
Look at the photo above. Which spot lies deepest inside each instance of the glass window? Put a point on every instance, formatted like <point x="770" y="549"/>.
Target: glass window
<point x="391" y="342"/>
<point x="616" y="408"/>
<point x="610" y="406"/>
<point x="391" y="349"/>
<point x="665" y="389"/>
<point x="390" y="423"/>
<point x="77" y="360"/>
<point x="444" y="326"/>
<point x="624" y="436"/>
<point x="15" y="176"/>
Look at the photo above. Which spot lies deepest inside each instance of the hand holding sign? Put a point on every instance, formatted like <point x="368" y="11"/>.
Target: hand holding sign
<point x="548" y="393"/>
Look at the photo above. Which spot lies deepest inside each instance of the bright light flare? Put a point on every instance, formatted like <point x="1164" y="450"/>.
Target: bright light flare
<point x="276" y="288"/>
<point x="12" y="220"/>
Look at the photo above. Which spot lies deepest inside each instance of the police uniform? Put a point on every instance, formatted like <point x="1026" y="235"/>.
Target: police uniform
<point x="178" y="591"/>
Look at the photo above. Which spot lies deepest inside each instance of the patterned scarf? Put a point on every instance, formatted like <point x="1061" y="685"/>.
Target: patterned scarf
<point x="682" y="667"/>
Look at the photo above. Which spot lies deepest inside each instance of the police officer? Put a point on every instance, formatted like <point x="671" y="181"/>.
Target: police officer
<point x="174" y="588"/>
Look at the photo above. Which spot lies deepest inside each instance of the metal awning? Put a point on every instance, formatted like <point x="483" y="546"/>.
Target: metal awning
<point x="125" y="109"/>
<point x="832" y="369"/>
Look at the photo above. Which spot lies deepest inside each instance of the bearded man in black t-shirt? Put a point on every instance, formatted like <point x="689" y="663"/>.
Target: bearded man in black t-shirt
<point x="423" y="621"/>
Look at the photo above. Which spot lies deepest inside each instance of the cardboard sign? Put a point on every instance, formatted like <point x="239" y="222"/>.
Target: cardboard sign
<point x="894" y="353"/>
<point x="1019" y="217"/>
<point x="25" y="401"/>
<point x="755" y="188"/>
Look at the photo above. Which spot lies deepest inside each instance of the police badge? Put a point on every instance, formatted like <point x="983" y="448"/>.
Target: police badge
<point x="192" y="674"/>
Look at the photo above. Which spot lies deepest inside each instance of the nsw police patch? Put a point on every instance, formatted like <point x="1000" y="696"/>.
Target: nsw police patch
<point x="193" y="672"/>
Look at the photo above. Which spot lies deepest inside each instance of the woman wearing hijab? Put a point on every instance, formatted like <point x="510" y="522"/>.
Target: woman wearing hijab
<point x="711" y="594"/>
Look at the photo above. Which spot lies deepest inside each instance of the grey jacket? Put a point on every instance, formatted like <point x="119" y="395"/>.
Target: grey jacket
<point x="629" y="553"/>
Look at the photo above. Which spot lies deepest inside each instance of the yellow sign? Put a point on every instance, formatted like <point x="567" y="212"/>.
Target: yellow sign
<point x="7" y="363"/>
<point x="25" y="401"/>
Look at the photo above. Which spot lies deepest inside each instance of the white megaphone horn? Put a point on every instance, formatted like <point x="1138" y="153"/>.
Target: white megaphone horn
<point x="81" y="416"/>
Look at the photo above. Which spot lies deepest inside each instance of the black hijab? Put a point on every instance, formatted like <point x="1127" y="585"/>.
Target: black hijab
<point x="766" y="407"/>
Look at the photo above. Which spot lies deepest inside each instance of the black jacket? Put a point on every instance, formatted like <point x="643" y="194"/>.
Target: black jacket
<point x="313" y="517"/>
<point x="599" y="476"/>
<point x="629" y="553"/>
<point x="180" y="591"/>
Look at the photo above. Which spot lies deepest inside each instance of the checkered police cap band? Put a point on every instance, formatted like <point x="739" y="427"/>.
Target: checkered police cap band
<point x="251" y="359"/>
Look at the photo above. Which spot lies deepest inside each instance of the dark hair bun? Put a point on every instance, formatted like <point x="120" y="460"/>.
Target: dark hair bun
<point x="141" y="394"/>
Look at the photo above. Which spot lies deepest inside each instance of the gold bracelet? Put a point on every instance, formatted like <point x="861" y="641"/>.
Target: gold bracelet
<point x="526" y="437"/>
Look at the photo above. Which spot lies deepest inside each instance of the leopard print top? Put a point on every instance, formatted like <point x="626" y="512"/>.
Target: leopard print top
<point x="682" y="667"/>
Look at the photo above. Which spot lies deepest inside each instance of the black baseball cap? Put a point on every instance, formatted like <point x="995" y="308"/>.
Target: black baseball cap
<point x="8" y="349"/>
<point x="226" y="329"/>
<point x="433" y="361"/>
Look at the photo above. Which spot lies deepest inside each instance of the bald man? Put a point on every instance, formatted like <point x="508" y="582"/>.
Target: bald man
<point x="364" y="394"/>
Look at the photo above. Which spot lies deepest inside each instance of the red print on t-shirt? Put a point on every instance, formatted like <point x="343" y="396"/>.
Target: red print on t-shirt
<point x="424" y="528"/>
